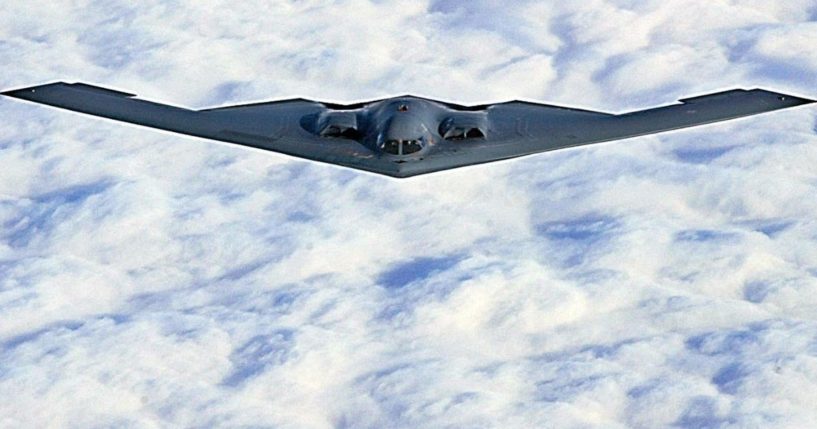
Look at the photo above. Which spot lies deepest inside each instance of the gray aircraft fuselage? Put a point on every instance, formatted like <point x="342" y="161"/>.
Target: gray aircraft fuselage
<point x="406" y="136"/>
<point x="400" y="129"/>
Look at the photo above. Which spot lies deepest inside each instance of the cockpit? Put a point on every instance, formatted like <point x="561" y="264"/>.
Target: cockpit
<point x="404" y="133"/>
<point x="401" y="147"/>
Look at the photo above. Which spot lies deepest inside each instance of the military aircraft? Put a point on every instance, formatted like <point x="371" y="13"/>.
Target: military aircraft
<point x="405" y="136"/>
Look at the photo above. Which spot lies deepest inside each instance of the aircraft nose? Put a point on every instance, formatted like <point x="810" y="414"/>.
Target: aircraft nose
<point x="403" y="135"/>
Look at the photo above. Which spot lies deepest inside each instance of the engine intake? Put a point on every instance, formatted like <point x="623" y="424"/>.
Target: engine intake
<point x="338" y="125"/>
<point x="463" y="128"/>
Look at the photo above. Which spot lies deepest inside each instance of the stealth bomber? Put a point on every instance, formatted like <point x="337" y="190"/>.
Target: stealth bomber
<point x="405" y="136"/>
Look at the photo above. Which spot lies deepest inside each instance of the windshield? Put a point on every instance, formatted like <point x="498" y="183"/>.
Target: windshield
<point x="411" y="146"/>
<point x="401" y="147"/>
<point x="391" y="147"/>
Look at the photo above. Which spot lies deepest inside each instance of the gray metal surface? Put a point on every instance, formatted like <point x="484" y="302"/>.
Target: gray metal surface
<point x="405" y="136"/>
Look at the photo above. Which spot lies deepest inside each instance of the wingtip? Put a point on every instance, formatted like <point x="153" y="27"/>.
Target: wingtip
<point x="793" y="100"/>
<point x="9" y="92"/>
<point x="31" y="91"/>
<point x="805" y="100"/>
<point x="17" y="93"/>
<point x="27" y="92"/>
<point x="788" y="99"/>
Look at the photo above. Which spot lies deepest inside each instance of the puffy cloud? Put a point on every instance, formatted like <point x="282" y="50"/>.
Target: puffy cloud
<point x="171" y="281"/>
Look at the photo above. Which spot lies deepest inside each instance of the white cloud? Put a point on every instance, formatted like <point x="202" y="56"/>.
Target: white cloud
<point x="169" y="281"/>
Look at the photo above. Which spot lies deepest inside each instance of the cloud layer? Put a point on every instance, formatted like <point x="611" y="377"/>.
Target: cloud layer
<point x="154" y="280"/>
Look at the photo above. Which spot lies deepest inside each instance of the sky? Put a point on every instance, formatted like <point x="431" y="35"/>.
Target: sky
<point x="152" y="280"/>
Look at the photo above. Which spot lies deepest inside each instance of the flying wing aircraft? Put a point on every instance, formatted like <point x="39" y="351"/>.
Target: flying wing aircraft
<point x="405" y="136"/>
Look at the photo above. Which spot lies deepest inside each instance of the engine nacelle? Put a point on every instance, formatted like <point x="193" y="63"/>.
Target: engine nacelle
<point x="463" y="127"/>
<point x="338" y="124"/>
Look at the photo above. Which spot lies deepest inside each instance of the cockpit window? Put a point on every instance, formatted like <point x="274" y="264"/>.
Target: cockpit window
<point x="391" y="147"/>
<point x="401" y="147"/>
<point x="411" y="146"/>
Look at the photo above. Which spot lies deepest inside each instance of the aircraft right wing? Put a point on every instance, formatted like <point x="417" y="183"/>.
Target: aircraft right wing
<point x="272" y="126"/>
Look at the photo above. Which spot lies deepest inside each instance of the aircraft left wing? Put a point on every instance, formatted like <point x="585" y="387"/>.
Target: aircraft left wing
<point x="520" y="128"/>
<point x="528" y="121"/>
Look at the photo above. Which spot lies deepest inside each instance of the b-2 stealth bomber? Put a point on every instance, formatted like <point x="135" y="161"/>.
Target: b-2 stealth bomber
<point x="405" y="136"/>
